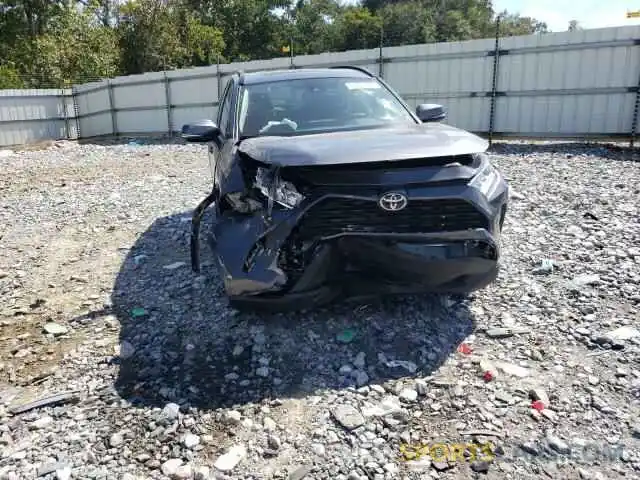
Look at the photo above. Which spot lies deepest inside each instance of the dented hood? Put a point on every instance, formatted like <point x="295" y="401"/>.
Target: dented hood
<point x="396" y="143"/>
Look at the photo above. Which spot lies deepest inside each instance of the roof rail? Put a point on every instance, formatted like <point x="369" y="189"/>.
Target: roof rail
<point x="353" y="67"/>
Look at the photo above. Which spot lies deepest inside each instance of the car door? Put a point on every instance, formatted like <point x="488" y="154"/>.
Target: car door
<point x="222" y="149"/>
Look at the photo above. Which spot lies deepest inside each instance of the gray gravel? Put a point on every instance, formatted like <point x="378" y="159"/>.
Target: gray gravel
<point x="163" y="380"/>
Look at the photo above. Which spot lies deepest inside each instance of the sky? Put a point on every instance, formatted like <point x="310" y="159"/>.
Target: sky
<point x="558" y="13"/>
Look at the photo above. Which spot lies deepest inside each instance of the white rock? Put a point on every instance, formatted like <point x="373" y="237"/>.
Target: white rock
<point x="53" y="328"/>
<point x="190" y="440"/>
<point x="40" y="423"/>
<point x="201" y="473"/>
<point x="125" y="350"/>
<point x="318" y="449"/>
<point x="269" y="424"/>
<point x="232" y="416"/>
<point x="360" y="360"/>
<point x="229" y="460"/>
<point x="348" y="416"/>
<point x="170" y="467"/>
<point x="116" y="440"/>
<point x="408" y="395"/>
<point x="63" y="473"/>
<point x="623" y="333"/>
<point x="183" y="472"/>
<point x="173" y="266"/>
<point x="171" y="411"/>
<point x="513" y="369"/>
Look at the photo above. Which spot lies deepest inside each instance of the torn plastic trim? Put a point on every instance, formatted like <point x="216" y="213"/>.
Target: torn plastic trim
<point x="198" y="213"/>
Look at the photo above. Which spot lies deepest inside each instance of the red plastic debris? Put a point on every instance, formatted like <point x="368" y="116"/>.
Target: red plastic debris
<point x="488" y="376"/>
<point x="537" y="405"/>
<point x="464" y="348"/>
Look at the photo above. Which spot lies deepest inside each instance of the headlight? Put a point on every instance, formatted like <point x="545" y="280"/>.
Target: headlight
<point x="274" y="188"/>
<point x="487" y="180"/>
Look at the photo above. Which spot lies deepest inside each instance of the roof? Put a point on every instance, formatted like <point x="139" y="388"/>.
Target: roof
<point x="253" y="78"/>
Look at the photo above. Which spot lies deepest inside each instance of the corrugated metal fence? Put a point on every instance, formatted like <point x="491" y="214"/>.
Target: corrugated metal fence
<point x="582" y="84"/>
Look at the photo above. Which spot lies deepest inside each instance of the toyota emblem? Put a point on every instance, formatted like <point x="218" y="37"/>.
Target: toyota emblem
<point x="392" y="201"/>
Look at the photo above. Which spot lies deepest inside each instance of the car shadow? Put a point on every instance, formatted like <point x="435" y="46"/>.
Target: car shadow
<point x="189" y="347"/>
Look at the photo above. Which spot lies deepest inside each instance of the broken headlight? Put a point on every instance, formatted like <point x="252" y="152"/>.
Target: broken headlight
<point x="487" y="180"/>
<point x="276" y="189"/>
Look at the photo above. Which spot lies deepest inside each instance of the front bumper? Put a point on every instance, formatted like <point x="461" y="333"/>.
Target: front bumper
<point x="358" y="264"/>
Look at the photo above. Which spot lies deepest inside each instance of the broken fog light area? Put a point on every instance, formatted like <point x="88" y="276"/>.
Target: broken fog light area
<point x="292" y="259"/>
<point x="276" y="189"/>
<point x="481" y="249"/>
<point x="239" y="202"/>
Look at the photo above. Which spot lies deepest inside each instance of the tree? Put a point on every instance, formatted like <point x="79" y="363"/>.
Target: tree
<point x="375" y="5"/>
<point x="249" y="26"/>
<point x="312" y="26"/>
<point x="163" y="35"/>
<point x="70" y="48"/>
<point x="149" y="39"/>
<point x="53" y="43"/>
<point x="514" y="24"/>
<point x="10" y="77"/>
<point x="203" y="44"/>
<point x="357" y="28"/>
<point x="574" y="26"/>
<point x="407" y="23"/>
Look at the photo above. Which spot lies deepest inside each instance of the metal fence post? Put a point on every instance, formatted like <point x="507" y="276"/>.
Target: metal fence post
<point x="114" y="113"/>
<point x="634" y="120"/>
<point x="167" y="95"/>
<point x="380" y="57"/>
<point x="66" y="114"/>
<point x="293" y="66"/>
<point x="76" y="110"/>
<point x="218" y="77"/>
<point x="494" y="81"/>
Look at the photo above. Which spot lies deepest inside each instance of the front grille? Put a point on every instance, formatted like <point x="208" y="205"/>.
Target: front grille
<point x="340" y="215"/>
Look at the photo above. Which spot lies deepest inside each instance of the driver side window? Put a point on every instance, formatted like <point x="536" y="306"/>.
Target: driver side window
<point x="224" y="116"/>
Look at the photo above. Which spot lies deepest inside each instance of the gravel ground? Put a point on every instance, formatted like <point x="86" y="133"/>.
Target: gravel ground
<point x="540" y="371"/>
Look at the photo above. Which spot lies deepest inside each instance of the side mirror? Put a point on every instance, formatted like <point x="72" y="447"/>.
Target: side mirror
<point x="431" y="112"/>
<point x="200" y="132"/>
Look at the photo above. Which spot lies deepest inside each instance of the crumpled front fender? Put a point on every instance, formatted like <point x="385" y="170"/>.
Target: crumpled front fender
<point x="247" y="247"/>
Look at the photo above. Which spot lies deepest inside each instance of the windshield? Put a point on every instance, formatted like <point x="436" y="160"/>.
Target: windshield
<point x="316" y="105"/>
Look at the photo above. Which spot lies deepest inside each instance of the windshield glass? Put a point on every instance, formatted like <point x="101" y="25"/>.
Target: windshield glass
<point x="315" y="105"/>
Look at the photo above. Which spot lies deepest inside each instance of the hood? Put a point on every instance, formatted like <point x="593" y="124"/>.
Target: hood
<point x="393" y="144"/>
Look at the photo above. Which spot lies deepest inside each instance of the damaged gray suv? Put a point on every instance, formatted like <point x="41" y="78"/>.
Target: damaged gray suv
<point x="327" y="186"/>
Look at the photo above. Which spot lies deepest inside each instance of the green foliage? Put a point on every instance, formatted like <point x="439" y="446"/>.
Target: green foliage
<point x="513" y="25"/>
<point x="407" y="23"/>
<point x="56" y="43"/>
<point x="149" y="37"/>
<point x="313" y="27"/>
<point x="10" y="78"/>
<point x="358" y="28"/>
